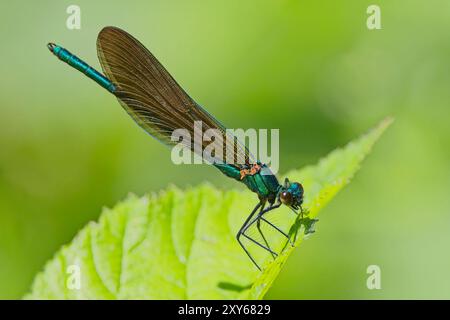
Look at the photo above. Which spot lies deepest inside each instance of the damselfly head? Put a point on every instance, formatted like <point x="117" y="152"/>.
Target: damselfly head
<point x="292" y="194"/>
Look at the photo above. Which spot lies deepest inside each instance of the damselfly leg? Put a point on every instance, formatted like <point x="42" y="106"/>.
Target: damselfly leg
<point x="260" y="217"/>
<point x="258" y="226"/>
<point x="241" y="231"/>
<point x="278" y="229"/>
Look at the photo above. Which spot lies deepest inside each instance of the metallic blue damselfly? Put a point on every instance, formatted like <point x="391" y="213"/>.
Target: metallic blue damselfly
<point x="159" y="105"/>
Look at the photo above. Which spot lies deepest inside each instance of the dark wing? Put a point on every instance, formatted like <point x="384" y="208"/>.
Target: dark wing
<point x="151" y="96"/>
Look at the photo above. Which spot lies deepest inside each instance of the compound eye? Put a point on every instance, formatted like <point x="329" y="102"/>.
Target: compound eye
<point x="286" y="198"/>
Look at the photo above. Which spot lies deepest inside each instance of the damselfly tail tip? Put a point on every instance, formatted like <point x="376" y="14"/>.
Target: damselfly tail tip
<point x="51" y="46"/>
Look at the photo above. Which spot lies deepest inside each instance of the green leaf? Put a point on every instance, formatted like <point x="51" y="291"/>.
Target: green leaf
<point x="181" y="244"/>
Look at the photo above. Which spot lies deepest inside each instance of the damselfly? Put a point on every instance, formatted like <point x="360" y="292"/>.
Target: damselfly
<point x="159" y="105"/>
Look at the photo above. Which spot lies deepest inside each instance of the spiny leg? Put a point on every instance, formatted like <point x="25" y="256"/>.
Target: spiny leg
<point x="278" y="229"/>
<point x="257" y="219"/>
<point x="258" y="225"/>
<point x="262" y="212"/>
<point x="259" y="244"/>
<point x="253" y="240"/>
<point x="241" y="230"/>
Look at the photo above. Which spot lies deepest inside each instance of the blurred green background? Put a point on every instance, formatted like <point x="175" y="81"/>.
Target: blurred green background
<point x="310" y="68"/>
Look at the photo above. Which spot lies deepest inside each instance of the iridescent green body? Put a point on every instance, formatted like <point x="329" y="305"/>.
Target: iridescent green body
<point x="264" y="183"/>
<point x="75" y="62"/>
